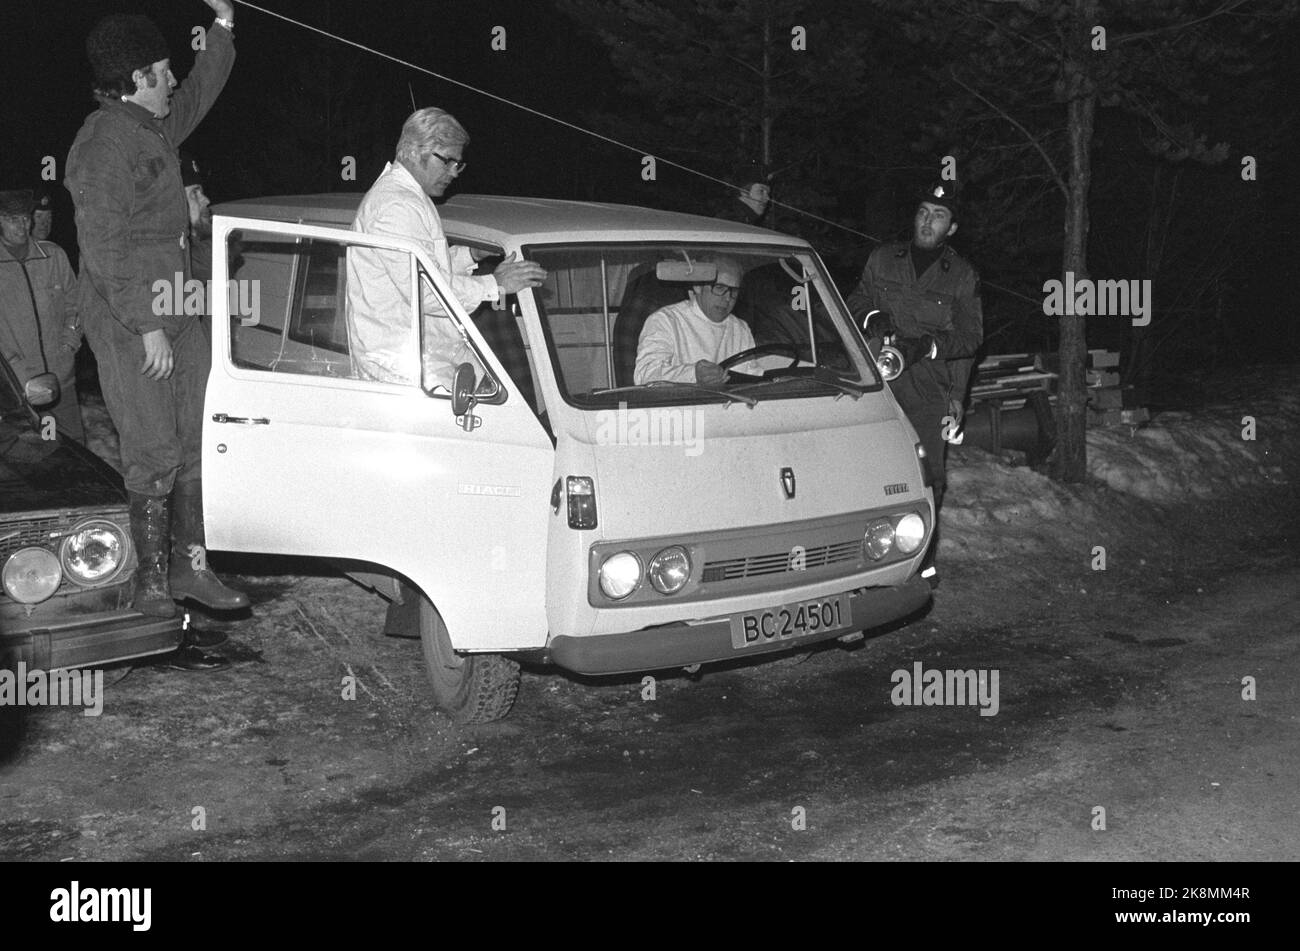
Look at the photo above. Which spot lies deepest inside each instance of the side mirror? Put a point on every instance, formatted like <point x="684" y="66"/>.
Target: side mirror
<point x="42" y="390"/>
<point x="463" y="385"/>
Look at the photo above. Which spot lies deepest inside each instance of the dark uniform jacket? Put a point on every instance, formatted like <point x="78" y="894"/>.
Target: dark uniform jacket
<point x="943" y="302"/>
<point x="125" y="179"/>
<point x="38" y="314"/>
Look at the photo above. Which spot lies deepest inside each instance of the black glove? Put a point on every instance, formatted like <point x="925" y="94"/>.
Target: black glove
<point x="879" y="324"/>
<point x="914" y="349"/>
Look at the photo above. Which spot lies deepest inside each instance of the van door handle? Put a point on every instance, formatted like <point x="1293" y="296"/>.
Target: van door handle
<point x="223" y="418"/>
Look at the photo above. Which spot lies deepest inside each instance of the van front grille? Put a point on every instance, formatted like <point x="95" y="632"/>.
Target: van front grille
<point x="820" y="556"/>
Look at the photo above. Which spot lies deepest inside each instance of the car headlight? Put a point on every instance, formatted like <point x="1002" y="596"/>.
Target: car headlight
<point x="31" y="575"/>
<point x="910" y="533"/>
<point x="879" y="539"/>
<point x="94" y="553"/>
<point x="620" y="574"/>
<point x="670" y="570"/>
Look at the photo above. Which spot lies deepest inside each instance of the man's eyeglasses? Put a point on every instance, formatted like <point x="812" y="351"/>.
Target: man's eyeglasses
<point x="724" y="290"/>
<point x="457" y="165"/>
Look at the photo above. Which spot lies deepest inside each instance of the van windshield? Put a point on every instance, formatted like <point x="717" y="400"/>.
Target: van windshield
<point x="628" y="322"/>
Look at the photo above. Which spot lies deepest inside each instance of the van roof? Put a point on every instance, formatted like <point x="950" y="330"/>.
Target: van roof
<point x="496" y="218"/>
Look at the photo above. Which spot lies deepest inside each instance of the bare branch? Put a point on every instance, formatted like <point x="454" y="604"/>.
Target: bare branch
<point x="1056" y="174"/>
<point x="1225" y="8"/>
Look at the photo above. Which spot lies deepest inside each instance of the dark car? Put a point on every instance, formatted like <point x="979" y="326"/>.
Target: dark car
<point x="66" y="557"/>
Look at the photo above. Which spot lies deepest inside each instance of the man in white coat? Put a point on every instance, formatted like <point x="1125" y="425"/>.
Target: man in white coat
<point x="685" y="342"/>
<point x="430" y="156"/>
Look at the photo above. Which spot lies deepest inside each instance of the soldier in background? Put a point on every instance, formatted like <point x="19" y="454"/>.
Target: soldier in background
<point x="750" y="202"/>
<point x="39" y="326"/>
<point x="42" y="213"/>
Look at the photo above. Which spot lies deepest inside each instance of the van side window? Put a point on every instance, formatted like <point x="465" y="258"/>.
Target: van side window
<point x="300" y="325"/>
<point x="502" y="326"/>
<point x="444" y="346"/>
<point x="315" y="317"/>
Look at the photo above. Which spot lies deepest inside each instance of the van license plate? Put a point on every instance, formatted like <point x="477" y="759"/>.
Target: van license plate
<point x="791" y="620"/>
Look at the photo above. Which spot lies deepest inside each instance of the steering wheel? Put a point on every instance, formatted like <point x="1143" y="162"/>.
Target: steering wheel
<point x="765" y="350"/>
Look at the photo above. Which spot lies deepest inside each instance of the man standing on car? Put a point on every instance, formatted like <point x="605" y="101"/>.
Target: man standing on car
<point x="927" y="298"/>
<point x="133" y="230"/>
<point x="430" y="156"/>
<point x="39" y="330"/>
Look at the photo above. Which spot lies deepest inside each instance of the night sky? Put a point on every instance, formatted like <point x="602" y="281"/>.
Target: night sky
<point x="297" y="104"/>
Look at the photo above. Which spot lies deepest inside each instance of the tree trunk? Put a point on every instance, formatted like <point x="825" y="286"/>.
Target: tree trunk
<point x="1070" y="461"/>
<point x="766" y="105"/>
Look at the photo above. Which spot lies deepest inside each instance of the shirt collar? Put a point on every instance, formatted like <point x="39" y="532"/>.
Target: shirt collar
<point x="27" y="251"/>
<point x="132" y="110"/>
<point x="406" y="179"/>
<point x="701" y="315"/>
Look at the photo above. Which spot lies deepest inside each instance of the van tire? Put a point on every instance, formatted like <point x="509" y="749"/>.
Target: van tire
<point x="469" y="688"/>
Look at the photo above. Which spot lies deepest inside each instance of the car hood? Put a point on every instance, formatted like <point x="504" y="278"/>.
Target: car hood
<point x="39" y="474"/>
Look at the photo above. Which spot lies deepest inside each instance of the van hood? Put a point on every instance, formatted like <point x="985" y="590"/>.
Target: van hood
<point x="778" y="462"/>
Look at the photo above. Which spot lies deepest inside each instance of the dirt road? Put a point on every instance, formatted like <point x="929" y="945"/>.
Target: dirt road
<point x="1120" y="689"/>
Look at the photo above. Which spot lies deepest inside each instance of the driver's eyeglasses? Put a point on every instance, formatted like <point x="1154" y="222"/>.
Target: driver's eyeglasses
<point x="724" y="290"/>
<point x="457" y="165"/>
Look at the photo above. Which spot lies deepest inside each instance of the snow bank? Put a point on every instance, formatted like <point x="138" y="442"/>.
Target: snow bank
<point x="993" y="507"/>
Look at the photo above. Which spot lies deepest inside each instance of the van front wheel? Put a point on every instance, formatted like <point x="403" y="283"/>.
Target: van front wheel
<point x="469" y="688"/>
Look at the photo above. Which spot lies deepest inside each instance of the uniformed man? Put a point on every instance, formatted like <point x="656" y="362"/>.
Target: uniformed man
<point x="925" y="296"/>
<point x="133" y="230"/>
<point x="39" y="326"/>
<point x="43" y="214"/>
<point x="750" y="201"/>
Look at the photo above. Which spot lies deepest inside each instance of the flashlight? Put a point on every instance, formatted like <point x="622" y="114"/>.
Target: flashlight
<point x="890" y="360"/>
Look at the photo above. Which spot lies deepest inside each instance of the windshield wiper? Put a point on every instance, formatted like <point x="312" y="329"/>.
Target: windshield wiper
<point x="659" y="384"/>
<point x="819" y="375"/>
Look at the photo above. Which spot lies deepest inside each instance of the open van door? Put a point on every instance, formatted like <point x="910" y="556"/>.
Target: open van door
<point x="303" y="456"/>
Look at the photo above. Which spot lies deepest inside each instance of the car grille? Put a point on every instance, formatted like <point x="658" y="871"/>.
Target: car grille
<point x="754" y="566"/>
<point x="29" y="532"/>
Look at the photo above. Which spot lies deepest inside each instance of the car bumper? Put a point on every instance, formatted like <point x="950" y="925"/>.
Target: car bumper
<point x="681" y="645"/>
<point x="90" y="642"/>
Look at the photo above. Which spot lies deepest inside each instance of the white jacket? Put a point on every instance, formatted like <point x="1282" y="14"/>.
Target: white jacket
<point x="676" y="336"/>
<point x="379" y="287"/>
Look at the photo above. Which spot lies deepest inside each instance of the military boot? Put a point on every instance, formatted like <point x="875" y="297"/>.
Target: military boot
<point x="151" y="535"/>
<point x="190" y="575"/>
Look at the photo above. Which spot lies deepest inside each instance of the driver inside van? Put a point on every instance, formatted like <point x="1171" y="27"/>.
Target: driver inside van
<point x="685" y="342"/>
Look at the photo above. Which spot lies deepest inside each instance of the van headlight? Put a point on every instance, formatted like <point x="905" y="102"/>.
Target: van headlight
<point x="619" y="575"/>
<point x="94" y="553"/>
<point x="670" y="570"/>
<point x="878" y="539"/>
<point x="31" y="575"/>
<point x="909" y="533"/>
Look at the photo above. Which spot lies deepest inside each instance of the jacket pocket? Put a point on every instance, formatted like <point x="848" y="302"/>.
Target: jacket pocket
<point x="933" y="310"/>
<point x="147" y="170"/>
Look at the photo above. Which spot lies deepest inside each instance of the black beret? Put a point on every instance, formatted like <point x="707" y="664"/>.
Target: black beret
<point x="121" y="43"/>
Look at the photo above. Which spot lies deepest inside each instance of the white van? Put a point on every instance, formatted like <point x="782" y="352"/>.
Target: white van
<point x="551" y="509"/>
